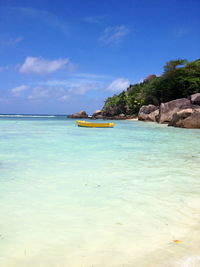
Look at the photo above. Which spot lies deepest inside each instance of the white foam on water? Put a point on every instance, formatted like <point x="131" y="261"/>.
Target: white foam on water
<point x="27" y="116"/>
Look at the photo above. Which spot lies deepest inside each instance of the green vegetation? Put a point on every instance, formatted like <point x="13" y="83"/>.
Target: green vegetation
<point x="176" y="82"/>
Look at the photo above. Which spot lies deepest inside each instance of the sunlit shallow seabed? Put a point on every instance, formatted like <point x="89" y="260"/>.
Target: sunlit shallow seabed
<point x="82" y="197"/>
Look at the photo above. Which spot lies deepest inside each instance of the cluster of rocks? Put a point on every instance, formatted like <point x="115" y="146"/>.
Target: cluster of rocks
<point x="184" y="112"/>
<point x="98" y="114"/>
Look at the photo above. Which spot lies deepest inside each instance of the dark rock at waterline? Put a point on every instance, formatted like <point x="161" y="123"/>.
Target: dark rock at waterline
<point x="96" y="113"/>
<point x="148" y="113"/>
<point x="195" y="99"/>
<point x="120" y="117"/>
<point x="153" y="116"/>
<point x="186" y="118"/>
<point x="181" y="112"/>
<point x="169" y="108"/>
<point x="148" y="109"/>
<point x="79" y="115"/>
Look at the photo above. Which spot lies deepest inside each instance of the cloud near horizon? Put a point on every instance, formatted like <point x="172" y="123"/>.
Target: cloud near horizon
<point x="19" y="89"/>
<point x="77" y="86"/>
<point x="56" y="90"/>
<point x="118" y="85"/>
<point x="39" y="93"/>
<point x="39" y="65"/>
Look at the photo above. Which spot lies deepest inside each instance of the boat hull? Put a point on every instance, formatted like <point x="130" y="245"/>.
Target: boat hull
<point x="95" y="124"/>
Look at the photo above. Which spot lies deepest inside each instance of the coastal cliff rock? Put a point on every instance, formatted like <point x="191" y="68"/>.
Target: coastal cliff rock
<point x="195" y="99"/>
<point x="186" y="118"/>
<point x="148" y="113"/>
<point x="97" y="115"/>
<point x="169" y="108"/>
<point x="109" y="111"/>
<point x="153" y="116"/>
<point x="78" y="115"/>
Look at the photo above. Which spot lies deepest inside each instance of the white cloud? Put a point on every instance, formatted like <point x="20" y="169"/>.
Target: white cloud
<point x="11" y="41"/>
<point x="94" y="19"/>
<point x="79" y="83"/>
<point x="42" y="16"/>
<point x="4" y="100"/>
<point x="91" y="76"/>
<point x="64" y="98"/>
<point x="39" y="93"/>
<point x="118" y="85"/>
<point x="48" y="92"/>
<point x="82" y="89"/>
<point x="17" y="40"/>
<point x="40" y="65"/>
<point x="3" y="68"/>
<point x="71" y="67"/>
<point x="114" y="35"/>
<point x="180" y="32"/>
<point x="19" y="89"/>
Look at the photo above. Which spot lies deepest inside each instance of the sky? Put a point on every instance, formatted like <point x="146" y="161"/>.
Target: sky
<point x="60" y="57"/>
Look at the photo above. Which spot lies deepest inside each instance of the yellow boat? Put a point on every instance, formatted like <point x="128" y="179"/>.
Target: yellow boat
<point x="95" y="124"/>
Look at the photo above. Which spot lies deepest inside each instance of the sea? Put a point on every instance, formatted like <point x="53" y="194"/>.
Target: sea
<point x="71" y="196"/>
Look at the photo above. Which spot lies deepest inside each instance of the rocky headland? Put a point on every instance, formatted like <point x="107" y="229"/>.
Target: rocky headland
<point x="99" y="114"/>
<point x="183" y="112"/>
<point x="172" y="98"/>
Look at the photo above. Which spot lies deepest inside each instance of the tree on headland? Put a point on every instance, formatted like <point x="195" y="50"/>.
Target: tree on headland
<point x="173" y="64"/>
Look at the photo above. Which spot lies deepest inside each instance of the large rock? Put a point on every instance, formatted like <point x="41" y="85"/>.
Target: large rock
<point x="148" y="113"/>
<point x="96" y="113"/>
<point x="169" y="108"/>
<point x="153" y="116"/>
<point x="149" y="78"/>
<point x="186" y="118"/>
<point x="109" y="111"/>
<point x="195" y="99"/>
<point x="78" y="115"/>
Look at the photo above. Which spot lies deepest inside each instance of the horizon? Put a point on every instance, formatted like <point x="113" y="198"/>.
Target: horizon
<point x="62" y="58"/>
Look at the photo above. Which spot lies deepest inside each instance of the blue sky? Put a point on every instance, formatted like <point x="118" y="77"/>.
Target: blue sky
<point x="59" y="57"/>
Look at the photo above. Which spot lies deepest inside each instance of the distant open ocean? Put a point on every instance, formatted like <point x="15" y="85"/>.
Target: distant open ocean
<point x="81" y="197"/>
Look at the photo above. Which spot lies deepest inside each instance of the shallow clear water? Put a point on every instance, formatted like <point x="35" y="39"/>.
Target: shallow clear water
<point x="73" y="196"/>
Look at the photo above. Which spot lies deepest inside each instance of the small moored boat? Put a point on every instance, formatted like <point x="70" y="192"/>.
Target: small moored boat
<point x="95" y="124"/>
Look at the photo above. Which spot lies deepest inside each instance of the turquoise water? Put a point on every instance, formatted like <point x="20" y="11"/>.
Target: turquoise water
<point x="81" y="197"/>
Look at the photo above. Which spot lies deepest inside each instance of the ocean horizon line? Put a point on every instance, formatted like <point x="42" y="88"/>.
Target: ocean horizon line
<point x="30" y="115"/>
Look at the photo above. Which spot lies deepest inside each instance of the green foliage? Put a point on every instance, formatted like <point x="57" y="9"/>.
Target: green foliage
<point x="172" y="64"/>
<point x="173" y="84"/>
